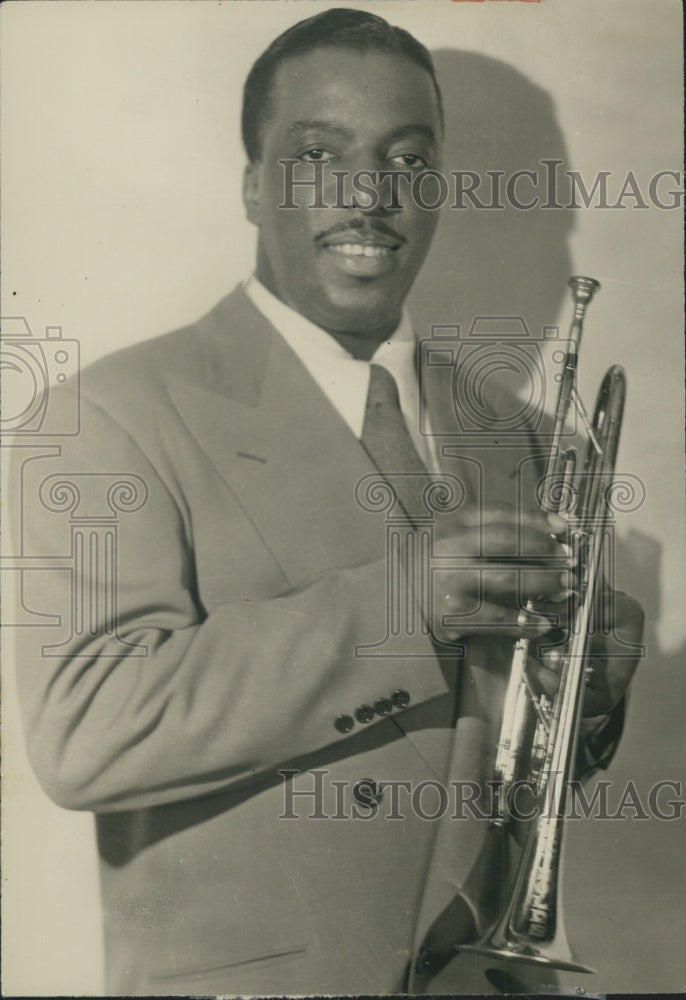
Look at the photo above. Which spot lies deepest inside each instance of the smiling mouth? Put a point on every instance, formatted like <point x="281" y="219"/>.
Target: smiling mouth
<point x="360" y="249"/>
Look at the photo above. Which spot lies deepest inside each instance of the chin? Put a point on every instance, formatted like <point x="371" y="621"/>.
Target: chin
<point x="363" y="321"/>
<point x="364" y="305"/>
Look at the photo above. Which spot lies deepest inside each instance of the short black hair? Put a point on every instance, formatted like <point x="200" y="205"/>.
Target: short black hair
<point x="338" y="28"/>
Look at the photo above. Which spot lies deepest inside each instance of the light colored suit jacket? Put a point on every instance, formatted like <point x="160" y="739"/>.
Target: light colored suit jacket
<point x="247" y="577"/>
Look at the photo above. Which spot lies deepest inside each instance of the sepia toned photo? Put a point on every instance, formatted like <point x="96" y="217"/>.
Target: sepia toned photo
<point x="343" y="536"/>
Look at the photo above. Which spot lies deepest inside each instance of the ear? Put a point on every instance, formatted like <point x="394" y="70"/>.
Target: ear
<point x="251" y="192"/>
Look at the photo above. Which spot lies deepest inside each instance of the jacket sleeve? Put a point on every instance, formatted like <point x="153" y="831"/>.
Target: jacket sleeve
<point x="163" y="701"/>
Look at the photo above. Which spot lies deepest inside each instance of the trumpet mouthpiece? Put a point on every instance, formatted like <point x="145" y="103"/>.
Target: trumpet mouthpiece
<point x="583" y="288"/>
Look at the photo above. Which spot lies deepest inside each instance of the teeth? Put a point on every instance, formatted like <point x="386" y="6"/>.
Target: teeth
<point x="360" y="250"/>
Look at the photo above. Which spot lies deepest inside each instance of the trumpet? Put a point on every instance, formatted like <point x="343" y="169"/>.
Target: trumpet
<point x="539" y="735"/>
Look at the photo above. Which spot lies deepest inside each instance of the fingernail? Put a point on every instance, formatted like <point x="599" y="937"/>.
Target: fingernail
<point x="525" y="619"/>
<point x="554" y="659"/>
<point x="557" y="522"/>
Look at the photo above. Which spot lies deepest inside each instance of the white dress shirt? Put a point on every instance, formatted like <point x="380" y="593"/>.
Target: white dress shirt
<point x="343" y="378"/>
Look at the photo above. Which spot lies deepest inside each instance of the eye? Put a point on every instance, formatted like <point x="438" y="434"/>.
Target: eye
<point x="316" y="155"/>
<point x="410" y="160"/>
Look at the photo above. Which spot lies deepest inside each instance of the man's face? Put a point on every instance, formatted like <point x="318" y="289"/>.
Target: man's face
<point x="346" y="268"/>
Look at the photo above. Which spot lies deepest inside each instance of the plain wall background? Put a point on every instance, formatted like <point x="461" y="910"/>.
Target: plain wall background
<point x="121" y="219"/>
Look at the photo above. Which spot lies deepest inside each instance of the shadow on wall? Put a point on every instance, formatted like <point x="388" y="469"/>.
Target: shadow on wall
<point x="511" y="262"/>
<point x="501" y="261"/>
<point x="639" y="563"/>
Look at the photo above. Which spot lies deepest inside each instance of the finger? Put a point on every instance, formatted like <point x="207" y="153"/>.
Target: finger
<point x="559" y="611"/>
<point x="490" y="619"/>
<point x="598" y="698"/>
<point x="541" y="585"/>
<point x="523" y="542"/>
<point x="474" y="516"/>
<point x="557" y="523"/>
<point x="550" y="650"/>
<point x="545" y="677"/>
<point x="504" y="539"/>
<point x="512" y="586"/>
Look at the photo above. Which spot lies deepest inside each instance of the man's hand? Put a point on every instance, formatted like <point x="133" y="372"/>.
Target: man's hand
<point x="614" y="653"/>
<point x="507" y="559"/>
<point x="511" y="558"/>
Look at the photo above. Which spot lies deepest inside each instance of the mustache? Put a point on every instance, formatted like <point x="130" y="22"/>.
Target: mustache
<point x="362" y="226"/>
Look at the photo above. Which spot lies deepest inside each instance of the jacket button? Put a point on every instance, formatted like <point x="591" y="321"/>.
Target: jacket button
<point x="383" y="706"/>
<point x="365" y="713"/>
<point x="344" y="723"/>
<point x="400" y="698"/>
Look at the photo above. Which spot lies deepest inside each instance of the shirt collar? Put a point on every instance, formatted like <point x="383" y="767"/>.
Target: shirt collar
<point x="343" y="378"/>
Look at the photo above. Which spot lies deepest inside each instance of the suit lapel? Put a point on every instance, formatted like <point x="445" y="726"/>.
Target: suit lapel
<point x="279" y="444"/>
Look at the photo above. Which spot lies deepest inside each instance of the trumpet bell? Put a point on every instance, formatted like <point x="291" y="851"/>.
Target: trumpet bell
<point x="497" y="946"/>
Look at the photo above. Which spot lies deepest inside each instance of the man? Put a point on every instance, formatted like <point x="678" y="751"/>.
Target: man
<point x="227" y="718"/>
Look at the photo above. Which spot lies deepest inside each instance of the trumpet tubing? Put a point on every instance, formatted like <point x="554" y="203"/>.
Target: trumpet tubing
<point x="530" y="928"/>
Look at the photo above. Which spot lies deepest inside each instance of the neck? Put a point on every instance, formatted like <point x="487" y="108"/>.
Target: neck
<point x="362" y="347"/>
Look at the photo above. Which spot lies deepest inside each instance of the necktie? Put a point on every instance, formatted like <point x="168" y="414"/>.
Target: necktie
<point x="388" y="443"/>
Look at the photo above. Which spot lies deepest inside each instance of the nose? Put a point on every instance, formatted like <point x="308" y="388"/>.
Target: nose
<point x="373" y="191"/>
<point x="379" y="197"/>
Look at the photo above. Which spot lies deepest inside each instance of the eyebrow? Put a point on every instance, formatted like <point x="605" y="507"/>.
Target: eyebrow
<point x="318" y="123"/>
<point x="411" y="128"/>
